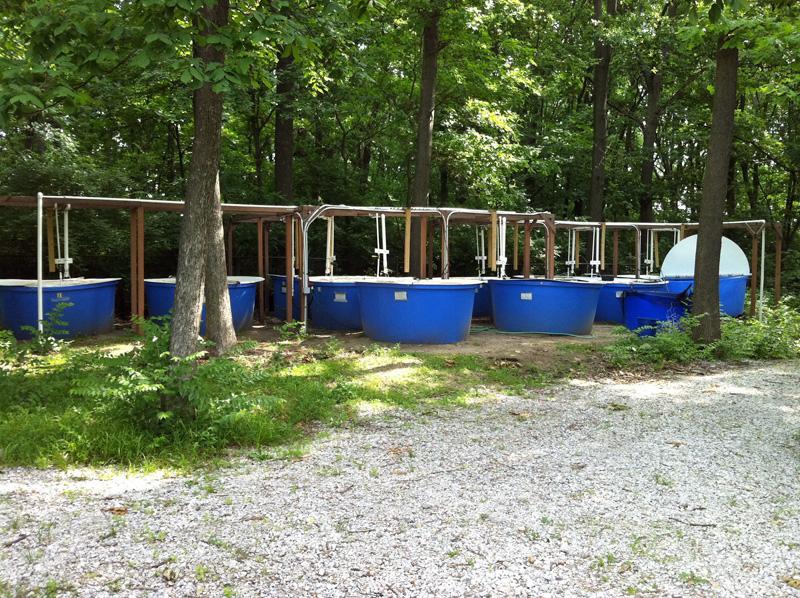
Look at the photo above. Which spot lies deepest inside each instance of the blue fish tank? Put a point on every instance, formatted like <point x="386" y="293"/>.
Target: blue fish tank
<point x="426" y="311"/>
<point x="86" y="305"/>
<point x="734" y="273"/>
<point x="160" y="295"/>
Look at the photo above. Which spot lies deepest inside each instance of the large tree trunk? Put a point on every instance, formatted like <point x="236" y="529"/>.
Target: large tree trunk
<point x="600" y="83"/>
<point x="219" y="319"/>
<point x="712" y="206"/>
<point x="284" y="129"/>
<point x="202" y="195"/>
<point x="425" y="119"/>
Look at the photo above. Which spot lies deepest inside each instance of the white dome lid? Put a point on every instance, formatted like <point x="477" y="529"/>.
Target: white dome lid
<point x="679" y="261"/>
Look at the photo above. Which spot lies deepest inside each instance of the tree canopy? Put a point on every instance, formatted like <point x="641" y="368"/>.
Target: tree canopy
<point x="96" y="98"/>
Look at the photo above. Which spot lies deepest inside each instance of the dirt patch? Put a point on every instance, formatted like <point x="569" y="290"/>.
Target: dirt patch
<point x="538" y="350"/>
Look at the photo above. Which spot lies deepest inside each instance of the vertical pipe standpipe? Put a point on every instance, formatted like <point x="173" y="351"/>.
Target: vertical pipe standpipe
<point x="66" y="242"/>
<point x="761" y="281"/>
<point x="39" y="258"/>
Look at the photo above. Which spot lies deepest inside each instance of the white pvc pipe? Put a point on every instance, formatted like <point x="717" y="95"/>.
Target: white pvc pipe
<point x="39" y="266"/>
<point x="761" y="280"/>
<point x="66" y="242"/>
<point x="384" y="245"/>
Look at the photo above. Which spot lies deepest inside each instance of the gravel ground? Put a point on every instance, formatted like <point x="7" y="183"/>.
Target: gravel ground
<point x="682" y="487"/>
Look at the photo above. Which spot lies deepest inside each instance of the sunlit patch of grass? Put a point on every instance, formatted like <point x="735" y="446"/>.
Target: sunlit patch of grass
<point x="87" y="405"/>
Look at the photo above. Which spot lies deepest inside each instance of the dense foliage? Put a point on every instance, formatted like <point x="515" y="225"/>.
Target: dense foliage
<point x="96" y="99"/>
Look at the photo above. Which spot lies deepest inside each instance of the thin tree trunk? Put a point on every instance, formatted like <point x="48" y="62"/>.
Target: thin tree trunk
<point x="425" y="119"/>
<point x="730" y="194"/>
<point x="284" y="129"/>
<point x="600" y="84"/>
<point x="712" y="206"/>
<point x="654" y="83"/>
<point x="202" y="195"/>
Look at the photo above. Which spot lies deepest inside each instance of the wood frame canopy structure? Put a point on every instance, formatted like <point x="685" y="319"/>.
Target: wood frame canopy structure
<point x="137" y="209"/>
<point x="298" y="219"/>
<point x="679" y="230"/>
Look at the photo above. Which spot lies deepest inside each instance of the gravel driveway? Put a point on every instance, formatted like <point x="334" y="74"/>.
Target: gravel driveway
<point x="681" y="487"/>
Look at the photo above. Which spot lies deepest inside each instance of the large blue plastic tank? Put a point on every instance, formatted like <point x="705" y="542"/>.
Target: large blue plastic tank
<point x="732" y="291"/>
<point x="160" y="296"/>
<point x="610" y="301"/>
<point x="423" y="311"/>
<point x="734" y="272"/>
<point x="544" y="306"/>
<point x="333" y="303"/>
<point x="278" y="283"/>
<point x="653" y="309"/>
<point x="91" y="312"/>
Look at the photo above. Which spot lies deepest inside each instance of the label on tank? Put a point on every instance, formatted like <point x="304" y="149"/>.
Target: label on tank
<point x="400" y="296"/>
<point x="618" y="294"/>
<point x="340" y="297"/>
<point x="283" y="288"/>
<point x="526" y="296"/>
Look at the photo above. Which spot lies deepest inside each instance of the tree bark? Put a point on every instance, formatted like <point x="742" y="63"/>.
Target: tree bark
<point x="219" y="319"/>
<point x="425" y="120"/>
<point x="654" y="83"/>
<point x="284" y="129"/>
<point x="202" y="198"/>
<point x="712" y="205"/>
<point x="600" y="84"/>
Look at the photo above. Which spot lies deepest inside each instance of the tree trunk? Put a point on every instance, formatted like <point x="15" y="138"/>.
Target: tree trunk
<point x="284" y="129"/>
<point x="219" y="319"/>
<point x="600" y="83"/>
<point x="654" y="83"/>
<point x="425" y="119"/>
<point x="202" y="198"/>
<point x="712" y="205"/>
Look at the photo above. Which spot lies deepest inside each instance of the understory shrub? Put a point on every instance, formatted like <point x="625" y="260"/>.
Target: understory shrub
<point x="775" y="336"/>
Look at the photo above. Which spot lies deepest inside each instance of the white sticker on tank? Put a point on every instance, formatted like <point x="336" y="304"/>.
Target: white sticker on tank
<point x="400" y="296"/>
<point x="526" y="296"/>
<point x="618" y="294"/>
<point x="340" y="297"/>
<point x="283" y="288"/>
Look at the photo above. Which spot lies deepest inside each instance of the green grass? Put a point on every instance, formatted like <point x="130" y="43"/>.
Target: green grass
<point x="99" y="404"/>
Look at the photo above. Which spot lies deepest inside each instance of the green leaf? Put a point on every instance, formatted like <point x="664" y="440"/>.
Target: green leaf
<point x="26" y="98"/>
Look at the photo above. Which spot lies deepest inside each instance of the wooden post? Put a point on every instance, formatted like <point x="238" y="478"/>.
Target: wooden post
<point x="443" y="249"/>
<point x="603" y="247"/>
<point x="526" y="250"/>
<point x="493" y="241"/>
<point x="300" y="269"/>
<point x="298" y="241"/>
<point x="778" y="260"/>
<point x="289" y="269"/>
<point x="577" y="256"/>
<point x="551" y="260"/>
<point x="753" y="276"/>
<point x="516" y="247"/>
<point x="615" y="255"/>
<point x="229" y="248"/>
<point x="260" y="267"/>
<point x="656" y="256"/>
<point x="137" y="263"/>
<point x="429" y="257"/>
<point x="267" y="282"/>
<point x="407" y="244"/>
<point x="423" y="246"/>
<point x="51" y="240"/>
<point x="682" y="233"/>
<point x="134" y="268"/>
